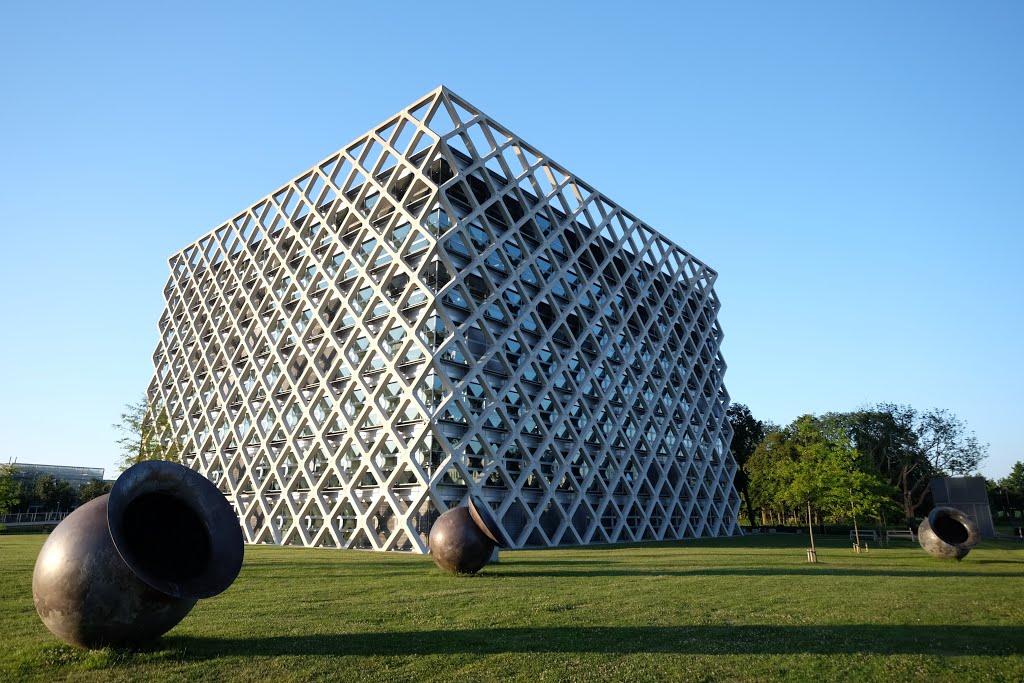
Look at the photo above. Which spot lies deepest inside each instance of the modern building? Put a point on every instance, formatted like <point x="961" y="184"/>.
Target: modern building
<point x="435" y="310"/>
<point x="75" y="476"/>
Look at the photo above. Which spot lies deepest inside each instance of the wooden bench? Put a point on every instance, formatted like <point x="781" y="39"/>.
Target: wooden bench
<point x="900" y="535"/>
<point x="865" y="534"/>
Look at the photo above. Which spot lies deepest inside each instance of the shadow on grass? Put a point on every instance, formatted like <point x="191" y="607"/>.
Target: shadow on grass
<point x="951" y="641"/>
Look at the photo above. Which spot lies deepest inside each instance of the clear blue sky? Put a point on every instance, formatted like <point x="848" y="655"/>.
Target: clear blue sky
<point x="854" y="171"/>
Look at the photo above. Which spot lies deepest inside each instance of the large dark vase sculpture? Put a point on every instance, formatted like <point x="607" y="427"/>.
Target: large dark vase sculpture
<point x="126" y="567"/>
<point x="463" y="539"/>
<point x="948" y="534"/>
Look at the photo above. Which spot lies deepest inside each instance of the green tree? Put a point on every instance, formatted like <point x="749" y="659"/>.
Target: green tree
<point x="1008" y="492"/>
<point x="92" y="489"/>
<point x="145" y="431"/>
<point x="9" y="490"/>
<point x="813" y="461"/>
<point x="831" y="474"/>
<point x="747" y="433"/>
<point x="53" y="494"/>
<point x="885" y="439"/>
<point x="770" y="470"/>
<point x="1014" y="481"/>
<point x="910" y="448"/>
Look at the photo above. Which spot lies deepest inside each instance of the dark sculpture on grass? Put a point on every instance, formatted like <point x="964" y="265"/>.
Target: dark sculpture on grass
<point x="126" y="567"/>
<point x="948" y="534"/>
<point x="463" y="539"/>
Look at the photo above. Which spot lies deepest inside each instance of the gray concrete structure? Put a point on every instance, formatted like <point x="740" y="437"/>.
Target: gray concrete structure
<point x="969" y="495"/>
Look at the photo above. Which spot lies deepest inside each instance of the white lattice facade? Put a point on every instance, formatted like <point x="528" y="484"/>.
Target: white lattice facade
<point x="439" y="309"/>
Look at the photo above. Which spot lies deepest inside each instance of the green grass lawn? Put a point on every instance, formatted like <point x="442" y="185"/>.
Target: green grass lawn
<point x="725" y="609"/>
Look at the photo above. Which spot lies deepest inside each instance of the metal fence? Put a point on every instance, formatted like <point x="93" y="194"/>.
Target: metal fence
<point x="25" y="518"/>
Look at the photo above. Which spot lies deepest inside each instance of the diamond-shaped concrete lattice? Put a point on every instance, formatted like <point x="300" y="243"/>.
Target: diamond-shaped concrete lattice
<point x="440" y="309"/>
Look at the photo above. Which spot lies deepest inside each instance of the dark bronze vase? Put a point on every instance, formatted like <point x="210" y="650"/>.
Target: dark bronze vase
<point x="126" y="567"/>
<point x="948" y="534"/>
<point x="463" y="539"/>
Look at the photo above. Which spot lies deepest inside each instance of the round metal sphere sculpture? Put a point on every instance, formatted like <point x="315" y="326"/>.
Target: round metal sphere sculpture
<point x="948" y="534"/>
<point x="463" y="539"/>
<point x="126" y="567"/>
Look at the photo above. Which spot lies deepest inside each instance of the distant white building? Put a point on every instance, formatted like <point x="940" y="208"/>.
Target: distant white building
<point x="435" y="310"/>
<point x="75" y="476"/>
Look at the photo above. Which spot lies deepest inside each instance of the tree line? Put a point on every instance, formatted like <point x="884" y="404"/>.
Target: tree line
<point x="1006" y="495"/>
<point x="875" y="463"/>
<point x="44" y="492"/>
